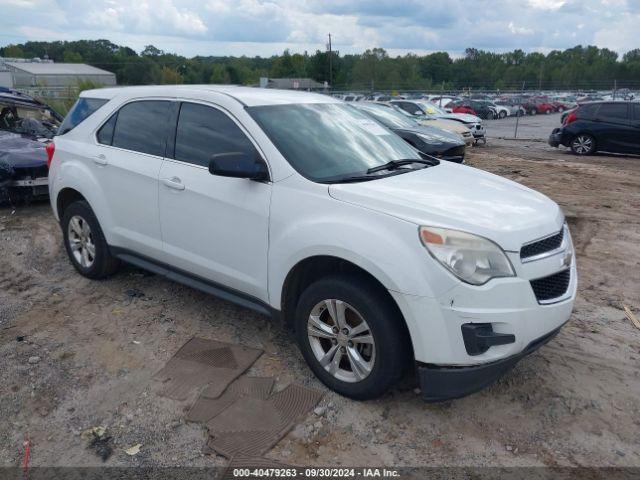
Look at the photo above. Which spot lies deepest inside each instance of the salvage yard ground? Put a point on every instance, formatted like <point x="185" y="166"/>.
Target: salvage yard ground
<point x="76" y="354"/>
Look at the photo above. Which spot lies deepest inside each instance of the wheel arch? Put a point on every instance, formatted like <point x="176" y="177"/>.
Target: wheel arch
<point x="66" y="197"/>
<point x="311" y="269"/>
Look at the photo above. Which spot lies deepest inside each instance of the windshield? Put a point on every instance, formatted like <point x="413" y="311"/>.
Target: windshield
<point x="431" y="109"/>
<point x="329" y="141"/>
<point x="388" y="116"/>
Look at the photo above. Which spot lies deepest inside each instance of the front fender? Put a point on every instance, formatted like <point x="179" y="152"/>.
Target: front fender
<point x="308" y="222"/>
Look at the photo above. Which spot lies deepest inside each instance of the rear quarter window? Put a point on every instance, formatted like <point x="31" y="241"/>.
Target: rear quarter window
<point x="81" y="110"/>
<point x="588" y="111"/>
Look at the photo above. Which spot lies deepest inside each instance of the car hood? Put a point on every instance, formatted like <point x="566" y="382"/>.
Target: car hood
<point x="18" y="151"/>
<point x="462" y="198"/>
<point x="438" y="134"/>
<point x="448" y="125"/>
<point x="461" y="117"/>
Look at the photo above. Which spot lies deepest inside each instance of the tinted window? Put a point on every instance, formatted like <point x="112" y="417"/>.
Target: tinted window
<point x="79" y="112"/>
<point x="588" y="111"/>
<point x="617" y="111"/>
<point x="105" y="134"/>
<point x="205" y="131"/>
<point x="141" y="127"/>
<point x="636" y="110"/>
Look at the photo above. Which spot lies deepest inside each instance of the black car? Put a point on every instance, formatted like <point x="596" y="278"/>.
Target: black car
<point x="428" y="140"/>
<point x="26" y="126"/>
<point x="600" y="126"/>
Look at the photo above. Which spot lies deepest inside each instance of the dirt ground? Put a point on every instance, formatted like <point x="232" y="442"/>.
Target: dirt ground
<point x="75" y="353"/>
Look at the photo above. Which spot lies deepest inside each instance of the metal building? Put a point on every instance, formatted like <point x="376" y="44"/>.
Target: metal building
<point x="26" y="74"/>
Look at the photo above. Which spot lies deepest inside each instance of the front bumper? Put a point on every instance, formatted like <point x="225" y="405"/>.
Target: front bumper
<point x="447" y="383"/>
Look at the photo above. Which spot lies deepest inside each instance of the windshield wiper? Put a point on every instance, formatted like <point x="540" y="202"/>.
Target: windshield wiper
<point x="394" y="164"/>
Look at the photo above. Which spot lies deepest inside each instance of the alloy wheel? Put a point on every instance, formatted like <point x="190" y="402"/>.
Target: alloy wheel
<point x="582" y="144"/>
<point x="341" y="340"/>
<point x="81" y="241"/>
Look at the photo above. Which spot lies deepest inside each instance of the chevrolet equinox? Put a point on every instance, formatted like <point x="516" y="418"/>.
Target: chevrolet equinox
<point x="381" y="259"/>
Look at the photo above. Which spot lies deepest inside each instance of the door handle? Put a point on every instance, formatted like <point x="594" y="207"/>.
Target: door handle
<point x="100" y="160"/>
<point x="173" y="182"/>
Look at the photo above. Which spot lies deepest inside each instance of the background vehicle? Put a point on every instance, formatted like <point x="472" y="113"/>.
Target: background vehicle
<point x="443" y="124"/>
<point x="426" y="139"/>
<point x="418" y="109"/>
<point x="26" y="126"/>
<point x="300" y="206"/>
<point x="600" y="126"/>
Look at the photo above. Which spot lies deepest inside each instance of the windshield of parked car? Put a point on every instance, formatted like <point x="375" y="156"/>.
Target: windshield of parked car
<point x="431" y="109"/>
<point x="388" y="116"/>
<point x="328" y="142"/>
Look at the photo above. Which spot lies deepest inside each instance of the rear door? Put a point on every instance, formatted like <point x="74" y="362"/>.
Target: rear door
<point x="613" y="127"/>
<point x="635" y="125"/>
<point x="127" y="161"/>
<point x="214" y="227"/>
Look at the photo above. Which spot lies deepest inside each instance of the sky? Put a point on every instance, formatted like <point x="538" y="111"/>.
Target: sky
<point x="267" y="27"/>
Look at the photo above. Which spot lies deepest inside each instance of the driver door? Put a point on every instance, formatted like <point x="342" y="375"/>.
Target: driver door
<point x="212" y="226"/>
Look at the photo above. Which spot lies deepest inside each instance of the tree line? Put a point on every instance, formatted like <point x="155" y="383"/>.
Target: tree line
<point x="579" y="67"/>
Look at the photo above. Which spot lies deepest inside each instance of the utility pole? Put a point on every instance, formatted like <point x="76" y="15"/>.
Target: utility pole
<point x="330" y="64"/>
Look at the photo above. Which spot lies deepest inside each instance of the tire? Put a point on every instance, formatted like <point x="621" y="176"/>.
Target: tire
<point x="85" y="243"/>
<point x="533" y="111"/>
<point x="502" y="114"/>
<point x="547" y="112"/>
<point x="368" y="314"/>
<point x="583" y="144"/>
<point x="560" y="109"/>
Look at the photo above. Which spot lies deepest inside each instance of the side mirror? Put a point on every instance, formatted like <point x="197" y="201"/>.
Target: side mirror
<point x="238" y="165"/>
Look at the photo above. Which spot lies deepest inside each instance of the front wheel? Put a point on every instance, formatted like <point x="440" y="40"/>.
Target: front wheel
<point x="503" y="114"/>
<point x="352" y="336"/>
<point x="533" y="112"/>
<point x="583" y="144"/>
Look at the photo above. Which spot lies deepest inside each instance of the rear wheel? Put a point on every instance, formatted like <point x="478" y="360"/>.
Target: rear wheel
<point x="85" y="242"/>
<point x="583" y="144"/>
<point x="351" y="336"/>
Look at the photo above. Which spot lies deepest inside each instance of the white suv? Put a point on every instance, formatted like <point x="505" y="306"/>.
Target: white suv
<point x="299" y="206"/>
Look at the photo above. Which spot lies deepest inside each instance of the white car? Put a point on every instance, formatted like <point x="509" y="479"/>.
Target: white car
<point x="301" y="207"/>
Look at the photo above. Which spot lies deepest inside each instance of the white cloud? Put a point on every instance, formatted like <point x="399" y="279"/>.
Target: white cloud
<point x="265" y="27"/>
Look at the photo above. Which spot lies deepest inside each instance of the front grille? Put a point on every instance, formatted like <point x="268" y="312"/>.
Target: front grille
<point x="542" y="246"/>
<point x="553" y="286"/>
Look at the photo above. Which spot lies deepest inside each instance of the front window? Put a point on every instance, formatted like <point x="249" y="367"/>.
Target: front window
<point x="431" y="109"/>
<point x="328" y="142"/>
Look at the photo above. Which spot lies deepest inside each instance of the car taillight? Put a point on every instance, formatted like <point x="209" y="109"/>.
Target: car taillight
<point x="572" y="117"/>
<point x="50" y="148"/>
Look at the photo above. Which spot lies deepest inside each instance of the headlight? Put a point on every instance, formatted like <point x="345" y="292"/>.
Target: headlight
<point x="432" y="139"/>
<point x="472" y="259"/>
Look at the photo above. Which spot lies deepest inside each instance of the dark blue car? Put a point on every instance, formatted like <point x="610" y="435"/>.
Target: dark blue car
<point x="600" y="127"/>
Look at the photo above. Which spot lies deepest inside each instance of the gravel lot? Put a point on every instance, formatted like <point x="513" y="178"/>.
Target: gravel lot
<point x="76" y="354"/>
<point x="530" y="127"/>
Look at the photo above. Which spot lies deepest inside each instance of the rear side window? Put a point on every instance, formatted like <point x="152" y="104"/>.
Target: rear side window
<point x="613" y="111"/>
<point x="588" y="111"/>
<point x="142" y="126"/>
<point x="205" y="131"/>
<point x="80" y="111"/>
<point x="105" y="134"/>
